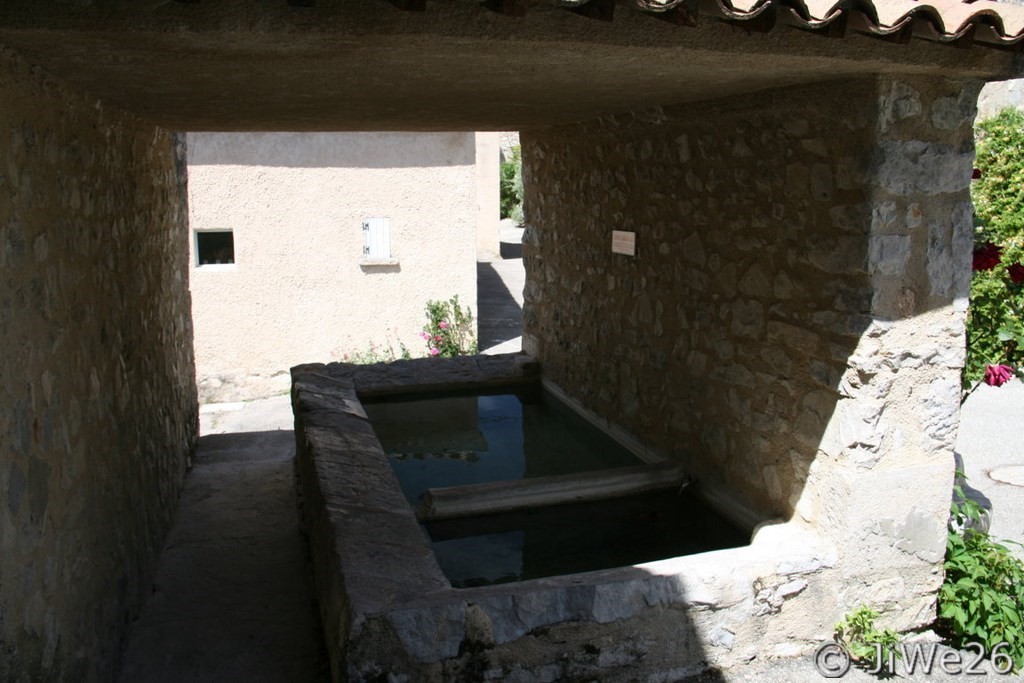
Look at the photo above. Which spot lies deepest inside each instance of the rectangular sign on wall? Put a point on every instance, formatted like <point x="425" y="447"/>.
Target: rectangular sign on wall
<point x="623" y="242"/>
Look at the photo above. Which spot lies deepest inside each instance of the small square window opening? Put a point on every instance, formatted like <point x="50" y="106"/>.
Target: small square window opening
<point x="215" y="247"/>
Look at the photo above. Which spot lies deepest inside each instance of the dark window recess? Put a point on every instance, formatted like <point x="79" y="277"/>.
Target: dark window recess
<point x="215" y="247"/>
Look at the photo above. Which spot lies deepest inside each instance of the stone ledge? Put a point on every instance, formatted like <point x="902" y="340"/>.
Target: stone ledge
<point x="378" y="262"/>
<point x="419" y="375"/>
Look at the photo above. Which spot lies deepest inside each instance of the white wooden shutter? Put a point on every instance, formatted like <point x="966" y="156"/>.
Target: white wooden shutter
<point x="378" y="238"/>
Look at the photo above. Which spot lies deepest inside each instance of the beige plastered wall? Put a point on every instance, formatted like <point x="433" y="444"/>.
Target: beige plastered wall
<point x="790" y="326"/>
<point x="488" y="195"/>
<point x="300" y="290"/>
<point x="97" y="379"/>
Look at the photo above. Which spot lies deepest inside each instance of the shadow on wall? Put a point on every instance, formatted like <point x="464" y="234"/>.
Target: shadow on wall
<point x="333" y="150"/>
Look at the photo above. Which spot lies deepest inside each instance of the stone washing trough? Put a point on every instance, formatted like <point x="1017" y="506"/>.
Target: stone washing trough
<point x="389" y="613"/>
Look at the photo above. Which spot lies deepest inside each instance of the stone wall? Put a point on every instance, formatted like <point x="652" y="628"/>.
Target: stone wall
<point x="97" y="377"/>
<point x="791" y="326"/>
<point x="300" y="289"/>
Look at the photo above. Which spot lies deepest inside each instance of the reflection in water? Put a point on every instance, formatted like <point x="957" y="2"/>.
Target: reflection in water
<point x="459" y="440"/>
<point x="463" y="456"/>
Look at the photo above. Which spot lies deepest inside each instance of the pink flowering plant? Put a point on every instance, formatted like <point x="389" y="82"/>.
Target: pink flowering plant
<point x="995" y="332"/>
<point x="450" y="329"/>
<point x="995" y="326"/>
<point x="376" y="354"/>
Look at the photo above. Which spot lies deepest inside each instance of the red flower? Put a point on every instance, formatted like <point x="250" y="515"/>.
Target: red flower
<point x="986" y="257"/>
<point x="998" y="375"/>
<point x="1016" y="272"/>
<point x="976" y="175"/>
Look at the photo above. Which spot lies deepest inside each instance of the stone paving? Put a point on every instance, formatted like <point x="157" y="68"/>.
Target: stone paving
<point x="991" y="442"/>
<point x="500" y="283"/>
<point x="232" y="599"/>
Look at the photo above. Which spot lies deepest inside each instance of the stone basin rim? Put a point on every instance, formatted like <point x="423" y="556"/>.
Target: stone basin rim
<point x="395" y="586"/>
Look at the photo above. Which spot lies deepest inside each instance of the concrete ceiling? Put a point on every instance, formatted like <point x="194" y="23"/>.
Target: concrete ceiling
<point x="366" y="65"/>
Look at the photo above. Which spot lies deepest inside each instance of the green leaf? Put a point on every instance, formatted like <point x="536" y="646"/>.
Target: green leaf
<point x="982" y="596"/>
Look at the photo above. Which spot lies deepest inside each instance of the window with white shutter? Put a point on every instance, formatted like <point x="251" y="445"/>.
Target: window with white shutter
<point x="378" y="238"/>
<point x="377" y="243"/>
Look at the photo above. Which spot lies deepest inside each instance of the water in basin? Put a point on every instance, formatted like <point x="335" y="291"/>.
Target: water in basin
<point x="566" y="539"/>
<point x="470" y="439"/>
<point x="457" y="440"/>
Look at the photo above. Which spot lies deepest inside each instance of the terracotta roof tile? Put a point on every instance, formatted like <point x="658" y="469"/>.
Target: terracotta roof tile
<point x="985" y="21"/>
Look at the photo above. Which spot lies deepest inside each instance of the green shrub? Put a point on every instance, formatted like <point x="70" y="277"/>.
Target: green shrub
<point x="999" y="193"/>
<point x="982" y="597"/>
<point x="512" y="186"/>
<point x="863" y="640"/>
<point x="995" y="333"/>
<point x="449" y="330"/>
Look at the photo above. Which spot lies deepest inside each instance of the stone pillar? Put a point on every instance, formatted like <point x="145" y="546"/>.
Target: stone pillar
<point x="880" y="484"/>
<point x="97" y="380"/>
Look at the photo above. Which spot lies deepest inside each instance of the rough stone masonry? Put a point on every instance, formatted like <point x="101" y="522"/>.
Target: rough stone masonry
<point x="97" y="377"/>
<point x="791" y="326"/>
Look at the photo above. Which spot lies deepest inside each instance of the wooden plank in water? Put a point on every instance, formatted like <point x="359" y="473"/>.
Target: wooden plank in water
<point x="521" y="494"/>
